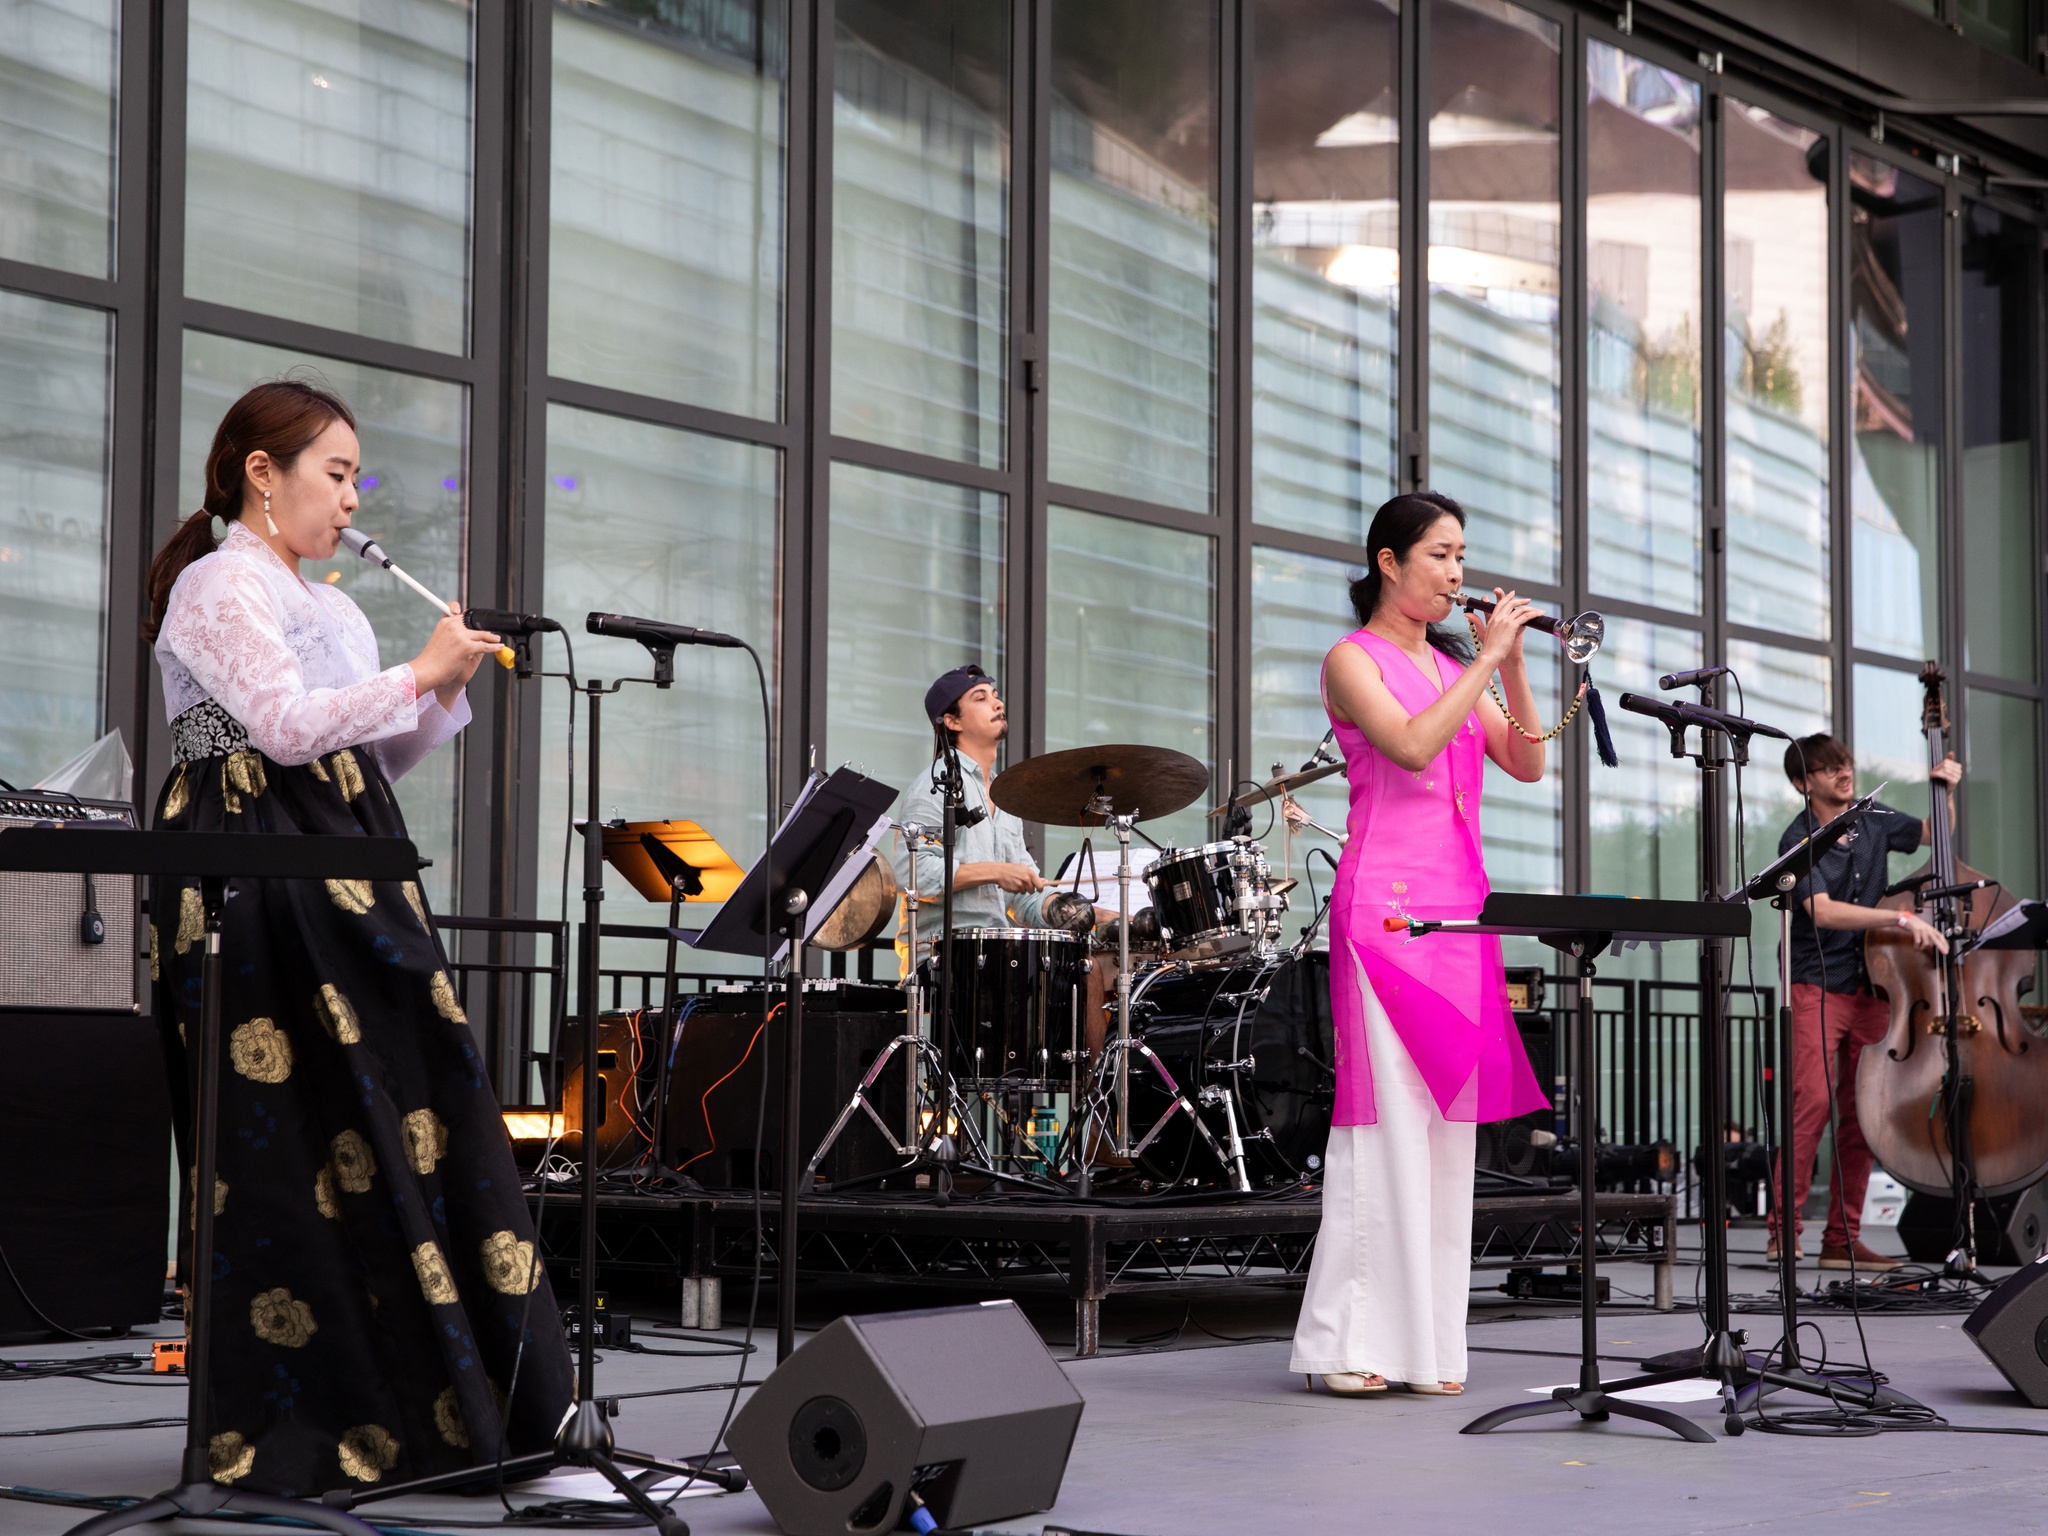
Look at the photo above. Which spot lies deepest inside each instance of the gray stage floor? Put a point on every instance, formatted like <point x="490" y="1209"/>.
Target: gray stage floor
<point x="1204" y="1436"/>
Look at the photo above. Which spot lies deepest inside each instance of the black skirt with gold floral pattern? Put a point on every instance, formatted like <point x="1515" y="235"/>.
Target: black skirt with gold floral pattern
<point x="377" y="1288"/>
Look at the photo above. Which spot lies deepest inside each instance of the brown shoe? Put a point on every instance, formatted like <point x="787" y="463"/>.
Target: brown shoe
<point x="1832" y="1257"/>
<point x="1771" y="1251"/>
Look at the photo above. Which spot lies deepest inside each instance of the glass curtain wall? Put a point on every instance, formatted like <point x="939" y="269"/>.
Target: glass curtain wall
<point x="1326" y="268"/>
<point x="648" y="519"/>
<point x="1775" y="333"/>
<point x="1494" y="222"/>
<point x="2001" y="563"/>
<point x="1132" y="377"/>
<point x="920" y="225"/>
<point x="1130" y="623"/>
<point x="57" y="63"/>
<point x="1895" y="342"/>
<point x="55" y="388"/>
<point x="916" y="589"/>
<point x="1644" y="446"/>
<point x="328" y="164"/>
<point x="666" y="185"/>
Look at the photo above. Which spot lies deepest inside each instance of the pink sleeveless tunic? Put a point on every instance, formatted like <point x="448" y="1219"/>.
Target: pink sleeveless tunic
<point x="1414" y="851"/>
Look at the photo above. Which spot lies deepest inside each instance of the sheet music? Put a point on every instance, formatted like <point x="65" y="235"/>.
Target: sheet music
<point x="2014" y="918"/>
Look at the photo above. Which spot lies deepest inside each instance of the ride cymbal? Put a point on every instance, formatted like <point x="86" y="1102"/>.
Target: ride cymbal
<point x="1059" y="789"/>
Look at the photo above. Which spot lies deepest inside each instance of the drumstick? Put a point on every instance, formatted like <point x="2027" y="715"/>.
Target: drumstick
<point x="373" y="552"/>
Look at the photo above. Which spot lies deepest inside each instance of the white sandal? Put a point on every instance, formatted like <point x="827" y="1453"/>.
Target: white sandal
<point x="1350" y="1384"/>
<point x="1436" y="1388"/>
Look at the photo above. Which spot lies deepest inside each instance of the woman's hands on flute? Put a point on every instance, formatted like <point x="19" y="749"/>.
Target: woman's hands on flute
<point x="453" y="653"/>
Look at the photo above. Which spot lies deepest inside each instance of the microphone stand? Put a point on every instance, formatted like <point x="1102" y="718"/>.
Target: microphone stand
<point x="953" y="793"/>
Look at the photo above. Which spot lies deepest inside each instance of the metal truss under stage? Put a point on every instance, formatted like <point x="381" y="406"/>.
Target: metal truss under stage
<point x="1088" y="1252"/>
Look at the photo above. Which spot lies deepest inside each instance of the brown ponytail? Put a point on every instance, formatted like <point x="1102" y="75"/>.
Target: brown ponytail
<point x="280" y="418"/>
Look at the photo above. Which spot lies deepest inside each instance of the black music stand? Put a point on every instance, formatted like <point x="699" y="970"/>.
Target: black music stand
<point x="1583" y="927"/>
<point x="802" y="876"/>
<point x="213" y="858"/>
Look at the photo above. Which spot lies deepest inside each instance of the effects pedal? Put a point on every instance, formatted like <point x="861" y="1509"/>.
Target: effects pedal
<point x="167" y="1357"/>
<point x="612" y="1330"/>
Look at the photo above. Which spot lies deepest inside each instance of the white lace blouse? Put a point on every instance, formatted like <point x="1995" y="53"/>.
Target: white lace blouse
<point x="294" y="663"/>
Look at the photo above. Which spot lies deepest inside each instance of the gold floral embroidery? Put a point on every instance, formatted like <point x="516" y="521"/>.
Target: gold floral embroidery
<point x="367" y="1452"/>
<point x="245" y="772"/>
<point x="178" y="796"/>
<point x="435" y="1282"/>
<point x="324" y="1197"/>
<point x="354" y="1166"/>
<point x="509" y="1265"/>
<point x="445" y="1002"/>
<point x="155" y="964"/>
<point x="448" y="1419"/>
<point x="352" y="896"/>
<point x="348" y="776"/>
<point x="229" y="1457"/>
<point x="278" y="1319"/>
<point x="418" y="905"/>
<point x="319" y="771"/>
<point x="220" y="1203"/>
<point x="426" y="1140"/>
<point x="260" y="1051"/>
<point x="337" y="1015"/>
<point x="191" y="919"/>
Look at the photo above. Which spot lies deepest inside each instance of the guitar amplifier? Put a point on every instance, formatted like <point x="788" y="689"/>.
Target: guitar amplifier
<point x="67" y="942"/>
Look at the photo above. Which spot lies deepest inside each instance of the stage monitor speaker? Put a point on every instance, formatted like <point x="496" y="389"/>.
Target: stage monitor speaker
<point x="962" y="1404"/>
<point x="67" y="942"/>
<point x="2011" y="1228"/>
<point x="1522" y="1146"/>
<point x="2011" y="1327"/>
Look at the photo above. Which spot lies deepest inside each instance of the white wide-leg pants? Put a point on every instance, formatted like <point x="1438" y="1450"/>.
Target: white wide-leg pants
<point x="1392" y="1269"/>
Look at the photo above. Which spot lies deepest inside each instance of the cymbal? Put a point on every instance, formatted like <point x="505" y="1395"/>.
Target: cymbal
<point x="870" y="903"/>
<point x="1272" y="789"/>
<point x="1058" y="788"/>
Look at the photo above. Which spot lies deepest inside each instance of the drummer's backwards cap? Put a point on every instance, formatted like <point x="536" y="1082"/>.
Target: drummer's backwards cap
<point x="950" y="688"/>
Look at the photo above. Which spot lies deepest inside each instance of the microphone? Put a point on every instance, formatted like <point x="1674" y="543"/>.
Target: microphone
<point x="1666" y="714"/>
<point x="500" y="621"/>
<point x="1692" y="679"/>
<point x="1721" y="720"/>
<point x="654" y="633"/>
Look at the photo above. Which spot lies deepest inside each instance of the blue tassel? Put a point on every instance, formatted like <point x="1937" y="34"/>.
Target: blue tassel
<point x="1602" y="741"/>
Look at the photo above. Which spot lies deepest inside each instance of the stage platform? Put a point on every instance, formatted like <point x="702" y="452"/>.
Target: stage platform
<point x="1186" y="1433"/>
<point x="1026" y="1244"/>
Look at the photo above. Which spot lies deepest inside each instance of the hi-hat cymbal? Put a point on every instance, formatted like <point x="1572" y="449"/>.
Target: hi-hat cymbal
<point x="865" y="912"/>
<point x="1059" y="788"/>
<point x="1272" y="789"/>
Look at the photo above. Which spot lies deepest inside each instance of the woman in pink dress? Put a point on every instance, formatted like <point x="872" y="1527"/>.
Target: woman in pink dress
<point x="1426" y="1047"/>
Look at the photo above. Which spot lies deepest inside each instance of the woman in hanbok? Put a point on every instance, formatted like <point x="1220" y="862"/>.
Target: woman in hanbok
<point x="377" y="1289"/>
<point x="1425" y="1044"/>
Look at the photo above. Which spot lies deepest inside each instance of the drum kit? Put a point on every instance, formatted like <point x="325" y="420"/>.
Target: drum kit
<point x="1215" y="1067"/>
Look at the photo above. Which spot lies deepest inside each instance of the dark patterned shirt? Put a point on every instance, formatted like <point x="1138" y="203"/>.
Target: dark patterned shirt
<point x="1852" y="871"/>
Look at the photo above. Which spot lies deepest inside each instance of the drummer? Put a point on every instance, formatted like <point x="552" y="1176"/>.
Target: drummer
<point x="996" y="883"/>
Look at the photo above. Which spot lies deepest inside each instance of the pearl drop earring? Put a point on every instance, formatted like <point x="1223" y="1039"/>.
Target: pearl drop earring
<point x="269" y="521"/>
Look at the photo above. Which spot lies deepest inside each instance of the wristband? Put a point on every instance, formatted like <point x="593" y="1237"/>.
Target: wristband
<point x="1905" y="919"/>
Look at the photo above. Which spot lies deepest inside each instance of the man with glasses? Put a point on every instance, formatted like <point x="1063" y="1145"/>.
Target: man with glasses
<point x="1834" y="1013"/>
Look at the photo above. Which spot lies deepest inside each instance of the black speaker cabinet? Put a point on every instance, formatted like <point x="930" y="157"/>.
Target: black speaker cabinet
<point x="1522" y="1146"/>
<point x="621" y="1135"/>
<point x="85" y="1139"/>
<point x="715" y="1095"/>
<point x="2011" y="1327"/>
<point x="963" y="1404"/>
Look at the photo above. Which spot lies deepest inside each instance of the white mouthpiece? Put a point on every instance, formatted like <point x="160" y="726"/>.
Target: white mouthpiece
<point x="362" y="544"/>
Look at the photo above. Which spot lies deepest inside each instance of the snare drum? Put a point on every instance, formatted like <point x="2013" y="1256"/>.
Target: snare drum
<point x="1213" y="900"/>
<point x="1016" y="999"/>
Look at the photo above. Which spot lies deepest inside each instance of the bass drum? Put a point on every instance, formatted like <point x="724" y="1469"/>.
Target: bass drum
<point x="1259" y="1033"/>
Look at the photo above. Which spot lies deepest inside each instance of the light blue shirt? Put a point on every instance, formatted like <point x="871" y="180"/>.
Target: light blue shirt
<point x="997" y="838"/>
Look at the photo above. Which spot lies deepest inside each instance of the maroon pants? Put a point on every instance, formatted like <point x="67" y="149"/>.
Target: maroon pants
<point x="1819" y="1057"/>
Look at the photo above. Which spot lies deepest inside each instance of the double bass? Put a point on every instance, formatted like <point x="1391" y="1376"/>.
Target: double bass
<point x="1956" y="1097"/>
